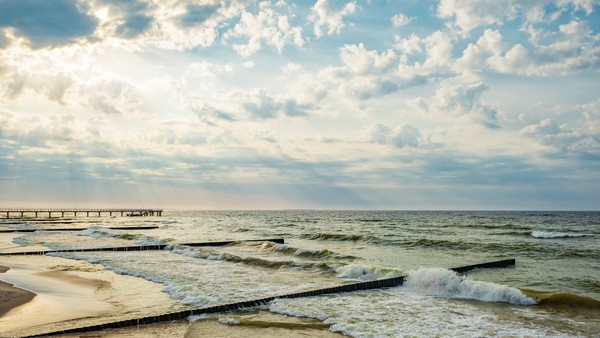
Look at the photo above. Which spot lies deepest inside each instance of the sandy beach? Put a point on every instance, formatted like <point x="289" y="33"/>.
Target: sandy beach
<point x="42" y="294"/>
<point x="12" y="297"/>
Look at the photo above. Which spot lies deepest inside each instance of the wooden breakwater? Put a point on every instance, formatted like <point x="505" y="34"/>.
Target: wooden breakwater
<point x="150" y="227"/>
<point x="74" y="212"/>
<point x="359" y="286"/>
<point x="138" y="247"/>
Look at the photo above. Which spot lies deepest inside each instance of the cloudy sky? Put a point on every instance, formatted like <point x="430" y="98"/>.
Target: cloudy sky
<point x="331" y="104"/>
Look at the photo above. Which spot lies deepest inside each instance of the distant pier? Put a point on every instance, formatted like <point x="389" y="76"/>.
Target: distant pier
<point x="22" y="213"/>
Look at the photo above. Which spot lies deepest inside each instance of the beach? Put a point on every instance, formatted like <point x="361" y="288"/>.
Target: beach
<point x="74" y="293"/>
<point x="552" y="291"/>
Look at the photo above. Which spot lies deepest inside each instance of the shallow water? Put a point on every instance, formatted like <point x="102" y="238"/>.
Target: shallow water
<point x="554" y="290"/>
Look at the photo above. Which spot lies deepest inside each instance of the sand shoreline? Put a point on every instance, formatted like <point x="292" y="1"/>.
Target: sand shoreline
<point x="12" y="297"/>
<point x="101" y="296"/>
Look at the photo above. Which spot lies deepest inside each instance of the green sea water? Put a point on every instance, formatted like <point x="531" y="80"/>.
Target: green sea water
<point x="554" y="289"/>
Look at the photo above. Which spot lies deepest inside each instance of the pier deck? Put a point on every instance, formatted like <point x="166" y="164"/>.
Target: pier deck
<point x="73" y="212"/>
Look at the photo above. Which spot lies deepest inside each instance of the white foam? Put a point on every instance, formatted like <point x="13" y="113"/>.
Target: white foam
<point x="396" y="313"/>
<point x="447" y="283"/>
<point x="543" y="234"/>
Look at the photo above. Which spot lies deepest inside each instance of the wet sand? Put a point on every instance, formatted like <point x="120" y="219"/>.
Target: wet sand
<point x="12" y="297"/>
<point x="62" y="294"/>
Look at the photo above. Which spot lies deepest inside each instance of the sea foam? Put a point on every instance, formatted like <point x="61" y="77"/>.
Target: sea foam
<point x="446" y="283"/>
<point x="543" y="234"/>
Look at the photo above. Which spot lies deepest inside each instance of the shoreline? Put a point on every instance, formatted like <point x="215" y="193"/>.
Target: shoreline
<point x="100" y="296"/>
<point x="12" y="297"/>
<point x="51" y="293"/>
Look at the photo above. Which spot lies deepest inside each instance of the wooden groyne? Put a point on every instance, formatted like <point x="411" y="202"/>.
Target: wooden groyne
<point x="3" y="231"/>
<point x="376" y="284"/>
<point x="73" y="212"/>
<point x="137" y="247"/>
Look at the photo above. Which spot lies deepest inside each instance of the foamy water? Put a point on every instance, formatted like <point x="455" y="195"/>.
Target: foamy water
<point x="555" y="252"/>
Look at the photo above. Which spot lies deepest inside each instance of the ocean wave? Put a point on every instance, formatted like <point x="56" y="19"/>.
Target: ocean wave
<point x="365" y="273"/>
<point x="564" y="301"/>
<point x="446" y="283"/>
<point x="249" y="260"/>
<point x="97" y="232"/>
<point x="339" y="237"/>
<point x="310" y="253"/>
<point x="271" y="247"/>
<point x="548" y="235"/>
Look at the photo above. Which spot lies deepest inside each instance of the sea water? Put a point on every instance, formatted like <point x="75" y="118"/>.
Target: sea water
<point x="554" y="289"/>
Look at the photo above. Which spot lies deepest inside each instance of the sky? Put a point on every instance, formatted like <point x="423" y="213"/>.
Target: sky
<point x="326" y="104"/>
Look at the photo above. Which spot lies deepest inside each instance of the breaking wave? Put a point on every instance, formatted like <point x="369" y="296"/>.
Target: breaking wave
<point x="446" y="283"/>
<point x="339" y="237"/>
<point x="97" y="232"/>
<point x="546" y="235"/>
<point x="365" y="273"/>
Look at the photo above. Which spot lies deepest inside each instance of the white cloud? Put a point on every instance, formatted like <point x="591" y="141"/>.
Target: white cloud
<point x="458" y="99"/>
<point x="545" y="127"/>
<point x="267" y="26"/>
<point x="259" y="104"/>
<point x="402" y="136"/>
<point x="400" y="19"/>
<point x="208" y="69"/>
<point x="470" y="14"/>
<point x="112" y="96"/>
<point x="587" y="146"/>
<point x="362" y="61"/>
<point x="324" y="14"/>
<point x="408" y="46"/>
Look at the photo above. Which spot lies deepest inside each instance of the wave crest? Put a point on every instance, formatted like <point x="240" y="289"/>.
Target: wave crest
<point x="447" y="283"/>
<point x="366" y="273"/>
<point x="543" y="234"/>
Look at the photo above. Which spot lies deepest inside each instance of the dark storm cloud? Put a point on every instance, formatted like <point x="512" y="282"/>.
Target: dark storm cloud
<point x="46" y="23"/>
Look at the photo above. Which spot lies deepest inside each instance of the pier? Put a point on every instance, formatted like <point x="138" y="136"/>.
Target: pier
<point x="34" y="213"/>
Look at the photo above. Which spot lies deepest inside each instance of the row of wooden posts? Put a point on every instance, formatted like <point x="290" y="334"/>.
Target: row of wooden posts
<point x="74" y="212"/>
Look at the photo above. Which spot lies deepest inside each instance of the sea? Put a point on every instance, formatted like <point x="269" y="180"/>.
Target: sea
<point x="552" y="291"/>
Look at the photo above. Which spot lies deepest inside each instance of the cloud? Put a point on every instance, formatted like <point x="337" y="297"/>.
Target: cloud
<point x="266" y="26"/>
<point x="47" y="23"/>
<point x="133" y="17"/>
<point x="464" y="99"/>
<point x="588" y="146"/>
<point x="438" y="58"/>
<point x="259" y="104"/>
<point x="470" y="14"/>
<point x="400" y="20"/>
<point x="329" y="14"/>
<point x="402" y="136"/>
<point x="3" y="40"/>
<point x="545" y="127"/>
<point x="359" y="60"/>
<point x="112" y="96"/>
<point x="198" y="14"/>
<point x="564" y="140"/>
